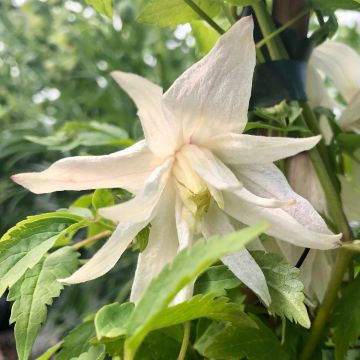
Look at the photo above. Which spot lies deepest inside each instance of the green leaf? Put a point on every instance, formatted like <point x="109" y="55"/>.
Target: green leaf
<point x="104" y="7"/>
<point x="346" y="320"/>
<point x="217" y="279"/>
<point x="93" y="353"/>
<point x="187" y="265"/>
<point x="78" y="341"/>
<point x="34" y="291"/>
<point x="23" y="246"/>
<point x="229" y="342"/>
<point x="50" y="352"/>
<point x="111" y="320"/>
<point x="205" y="36"/>
<point x="207" y="306"/>
<point x="331" y="5"/>
<point x="102" y="198"/>
<point x="287" y="298"/>
<point x="175" y="12"/>
<point x="349" y="142"/>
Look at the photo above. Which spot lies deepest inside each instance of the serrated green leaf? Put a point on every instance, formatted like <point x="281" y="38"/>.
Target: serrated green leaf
<point x="346" y="320"/>
<point x="207" y="306"/>
<point x="175" y="12"/>
<point x="225" y="342"/>
<point x="187" y="265"/>
<point x="285" y="287"/>
<point x="104" y="7"/>
<point x="205" y="36"/>
<point x="111" y="320"/>
<point x="331" y="5"/>
<point x="102" y="198"/>
<point x="217" y="279"/>
<point x="34" y="291"/>
<point x="23" y="246"/>
<point x="77" y="341"/>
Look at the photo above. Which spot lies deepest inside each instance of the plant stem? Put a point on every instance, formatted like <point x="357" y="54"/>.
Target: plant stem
<point x="341" y="264"/>
<point x="276" y="50"/>
<point x="91" y="239"/>
<point x="185" y="342"/>
<point x="279" y="30"/>
<point x="205" y="16"/>
<point x="320" y="161"/>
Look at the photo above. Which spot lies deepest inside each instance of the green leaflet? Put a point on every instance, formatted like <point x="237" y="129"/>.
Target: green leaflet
<point x="228" y="342"/>
<point x="102" y="198"/>
<point x="77" y="341"/>
<point x="205" y="36"/>
<point x="50" y="352"/>
<point x="187" y="265"/>
<point x="104" y="7"/>
<point x="34" y="291"/>
<point x="346" y="320"/>
<point x="217" y="279"/>
<point x="112" y="320"/>
<point x="24" y="245"/>
<point x="94" y="353"/>
<point x="175" y="12"/>
<point x="287" y="298"/>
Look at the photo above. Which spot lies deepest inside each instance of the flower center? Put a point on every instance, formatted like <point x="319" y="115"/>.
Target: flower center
<point x="192" y="189"/>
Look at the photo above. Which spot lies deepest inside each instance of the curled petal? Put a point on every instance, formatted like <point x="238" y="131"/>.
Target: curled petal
<point x="126" y="169"/>
<point x="209" y="167"/>
<point x="142" y="206"/>
<point x="213" y="95"/>
<point x="161" y="132"/>
<point x="298" y="224"/>
<point x="162" y="245"/>
<point x="240" y="263"/>
<point x="341" y="64"/>
<point x="106" y="258"/>
<point x="249" y="149"/>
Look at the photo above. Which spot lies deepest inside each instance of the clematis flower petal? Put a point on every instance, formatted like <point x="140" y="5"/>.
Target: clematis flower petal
<point x="162" y="245"/>
<point x="298" y="224"/>
<point x="209" y="167"/>
<point x="250" y="149"/>
<point x="248" y="196"/>
<point x="350" y="118"/>
<point x="341" y="64"/>
<point x="213" y="95"/>
<point x="142" y="206"/>
<point x="126" y="169"/>
<point x="106" y="258"/>
<point x="241" y="262"/>
<point x="316" y="89"/>
<point x="161" y="132"/>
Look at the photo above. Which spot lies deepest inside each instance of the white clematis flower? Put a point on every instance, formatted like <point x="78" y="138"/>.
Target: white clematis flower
<point x="340" y="63"/>
<point x="194" y="170"/>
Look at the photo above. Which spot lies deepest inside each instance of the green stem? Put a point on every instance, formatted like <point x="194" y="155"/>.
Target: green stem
<point x="320" y="161"/>
<point x="276" y="49"/>
<point x="205" y="16"/>
<point x="278" y="31"/>
<point x="91" y="239"/>
<point x="185" y="342"/>
<point x="341" y="264"/>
